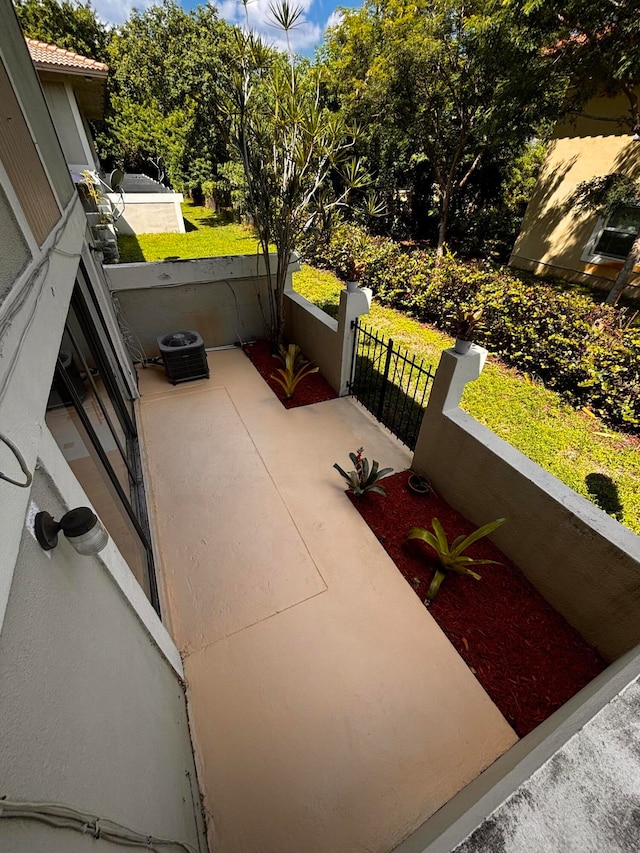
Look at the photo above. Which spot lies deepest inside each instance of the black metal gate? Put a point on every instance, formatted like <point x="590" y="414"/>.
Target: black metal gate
<point x="392" y="384"/>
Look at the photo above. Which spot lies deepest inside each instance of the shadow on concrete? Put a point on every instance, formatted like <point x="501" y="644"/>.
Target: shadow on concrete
<point x="604" y="493"/>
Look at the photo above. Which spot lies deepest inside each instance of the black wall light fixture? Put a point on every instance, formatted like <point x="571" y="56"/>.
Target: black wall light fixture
<point x="81" y="526"/>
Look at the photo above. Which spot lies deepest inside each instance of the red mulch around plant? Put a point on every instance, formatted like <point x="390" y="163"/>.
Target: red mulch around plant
<point x="526" y="656"/>
<point x="312" y="389"/>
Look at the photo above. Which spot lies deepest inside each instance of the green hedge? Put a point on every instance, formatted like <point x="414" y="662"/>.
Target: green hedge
<point x="560" y="337"/>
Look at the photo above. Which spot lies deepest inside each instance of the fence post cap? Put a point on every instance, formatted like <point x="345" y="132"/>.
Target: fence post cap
<point x="472" y="361"/>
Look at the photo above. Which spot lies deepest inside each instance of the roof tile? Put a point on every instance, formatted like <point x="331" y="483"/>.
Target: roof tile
<point x="57" y="58"/>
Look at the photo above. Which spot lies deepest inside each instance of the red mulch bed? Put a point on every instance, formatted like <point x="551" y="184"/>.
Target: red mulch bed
<point x="526" y="656"/>
<point x="312" y="389"/>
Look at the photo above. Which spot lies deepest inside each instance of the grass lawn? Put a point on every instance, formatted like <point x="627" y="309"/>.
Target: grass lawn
<point x="200" y="241"/>
<point x="598" y="462"/>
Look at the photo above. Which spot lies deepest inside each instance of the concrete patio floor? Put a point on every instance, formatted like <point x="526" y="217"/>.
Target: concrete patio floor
<point x="329" y="712"/>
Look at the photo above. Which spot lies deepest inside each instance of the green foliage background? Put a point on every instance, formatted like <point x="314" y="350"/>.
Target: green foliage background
<point x="68" y="24"/>
<point x="561" y="337"/>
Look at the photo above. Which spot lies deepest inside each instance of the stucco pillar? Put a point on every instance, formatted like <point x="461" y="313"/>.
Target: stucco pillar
<point x="352" y="306"/>
<point x="294" y="266"/>
<point x="452" y="375"/>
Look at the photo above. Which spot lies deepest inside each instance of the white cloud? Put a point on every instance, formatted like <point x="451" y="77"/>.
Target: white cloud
<point x="117" y="11"/>
<point x="304" y="34"/>
<point x="335" y="19"/>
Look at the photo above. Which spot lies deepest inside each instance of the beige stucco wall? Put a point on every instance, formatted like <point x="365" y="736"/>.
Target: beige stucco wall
<point x="159" y="214"/>
<point x="317" y="335"/>
<point x="92" y="715"/>
<point x="553" y="235"/>
<point x="225" y="299"/>
<point x="584" y="563"/>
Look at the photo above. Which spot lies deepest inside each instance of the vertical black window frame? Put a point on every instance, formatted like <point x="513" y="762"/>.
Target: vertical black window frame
<point x="91" y="304"/>
<point x="134" y="503"/>
<point x="115" y="385"/>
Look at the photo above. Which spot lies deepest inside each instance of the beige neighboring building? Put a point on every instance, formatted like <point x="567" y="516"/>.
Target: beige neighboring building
<point x="558" y="241"/>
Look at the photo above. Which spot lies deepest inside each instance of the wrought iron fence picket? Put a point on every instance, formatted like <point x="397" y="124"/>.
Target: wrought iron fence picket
<point x="395" y="391"/>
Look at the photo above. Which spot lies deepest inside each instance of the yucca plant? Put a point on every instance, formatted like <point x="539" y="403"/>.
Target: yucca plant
<point x="291" y="146"/>
<point x="365" y="478"/>
<point x="451" y="556"/>
<point x="296" y="367"/>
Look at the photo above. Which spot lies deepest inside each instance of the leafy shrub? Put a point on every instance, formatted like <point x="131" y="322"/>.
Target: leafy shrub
<point x="558" y="336"/>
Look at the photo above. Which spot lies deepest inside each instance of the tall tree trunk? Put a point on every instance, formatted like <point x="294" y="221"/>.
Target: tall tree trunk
<point x="622" y="279"/>
<point x="284" y="259"/>
<point x="444" y="223"/>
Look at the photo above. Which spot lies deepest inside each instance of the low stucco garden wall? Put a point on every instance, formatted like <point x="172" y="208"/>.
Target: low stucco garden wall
<point x="224" y="299"/>
<point x="586" y="564"/>
<point x="316" y="333"/>
<point x="327" y="342"/>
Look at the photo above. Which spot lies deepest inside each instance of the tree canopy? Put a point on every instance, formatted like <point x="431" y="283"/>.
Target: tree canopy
<point x="70" y="24"/>
<point x="453" y="99"/>
<point x="443" y="87"/>
<point x="290" y="147"/>
<point x="596" y="43"/>
<point x="165" y="65"/>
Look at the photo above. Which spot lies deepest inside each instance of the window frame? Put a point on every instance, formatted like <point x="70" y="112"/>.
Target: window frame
<point x="590" y="255"/>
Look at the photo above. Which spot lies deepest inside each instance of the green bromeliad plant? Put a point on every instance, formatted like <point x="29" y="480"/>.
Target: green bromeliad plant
<point x="366" y="477"/>
<point x="451" y="556"/>
<point x="296" y="368"/>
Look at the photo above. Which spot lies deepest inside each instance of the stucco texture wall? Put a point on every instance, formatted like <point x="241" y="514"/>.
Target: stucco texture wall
<point x="92" y="715"/>
<point x="15" y="252"/>
<point x="554" y="236"/>
<point x="584" y="798"/>
<point x="210" y="309"/>
<point x="156" y="217"/>
<point x="225" y="299"/>
<point x="317" y="335"/>
<point x="586" y="564"/>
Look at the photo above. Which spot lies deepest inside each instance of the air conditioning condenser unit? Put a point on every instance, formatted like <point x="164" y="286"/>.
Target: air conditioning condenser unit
<point x="184" y="356"/>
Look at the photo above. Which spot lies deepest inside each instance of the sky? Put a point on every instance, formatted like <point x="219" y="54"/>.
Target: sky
<point x="317" y="15"/>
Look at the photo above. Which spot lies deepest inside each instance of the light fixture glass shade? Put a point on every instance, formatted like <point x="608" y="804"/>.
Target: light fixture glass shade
<point x="81" y="526"/>
<point x="91" y="542"/>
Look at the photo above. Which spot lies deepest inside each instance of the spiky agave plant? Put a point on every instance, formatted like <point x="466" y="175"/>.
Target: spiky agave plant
<point x="296" y="367"/>
<point x="451" y="556"/>
<point x="364" y="478"/>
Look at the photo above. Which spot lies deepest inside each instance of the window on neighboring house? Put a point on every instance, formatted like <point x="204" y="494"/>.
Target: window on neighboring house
<point x="618" y="234"/>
